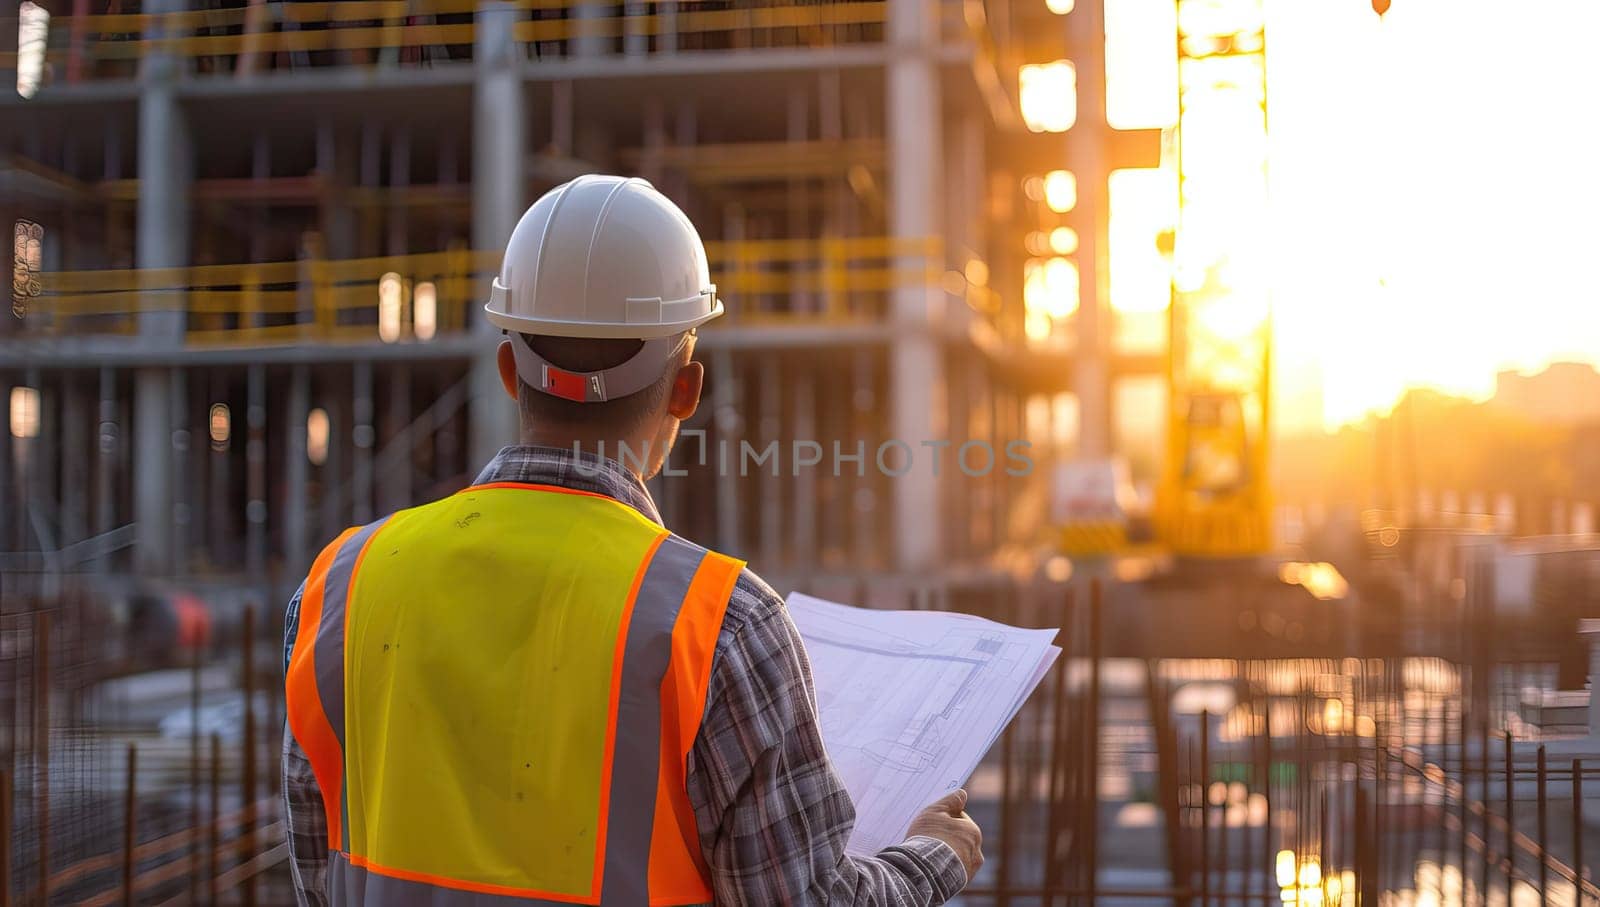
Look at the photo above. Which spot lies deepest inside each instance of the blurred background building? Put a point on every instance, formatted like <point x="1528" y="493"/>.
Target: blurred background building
<point x="262" y="234"/>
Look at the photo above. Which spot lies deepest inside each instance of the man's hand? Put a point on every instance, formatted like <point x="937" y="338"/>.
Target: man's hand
<point x="947" y="820"/>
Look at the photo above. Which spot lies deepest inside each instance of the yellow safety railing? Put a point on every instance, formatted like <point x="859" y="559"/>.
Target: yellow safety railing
<point x="421" y="296"/>
<point x="257" y="31"/>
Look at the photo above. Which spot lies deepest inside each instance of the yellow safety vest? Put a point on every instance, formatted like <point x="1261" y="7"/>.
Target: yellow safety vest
<point x="498" y="691"/>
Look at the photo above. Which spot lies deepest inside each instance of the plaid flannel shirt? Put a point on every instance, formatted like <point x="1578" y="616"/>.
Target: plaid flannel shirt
<point x="773" y="815"/>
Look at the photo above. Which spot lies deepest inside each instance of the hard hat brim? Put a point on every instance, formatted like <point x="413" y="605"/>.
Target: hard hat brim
<point x="608" y="331"/>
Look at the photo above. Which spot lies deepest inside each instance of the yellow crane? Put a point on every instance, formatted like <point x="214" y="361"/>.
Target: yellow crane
<point x="1214" y="497"/>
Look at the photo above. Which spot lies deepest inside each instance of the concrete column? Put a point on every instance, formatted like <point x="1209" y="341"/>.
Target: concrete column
<point x="335" y="504"/>
<point x="162" y="241"/>
<point x="499" y="135"/>
<point x="336" y="163"/>
<point x="1091" y="366"/>
<point x="915" y="210"/>
<point x="75" y="422"/>
<point x="255" y="460"/>
<point x="107" y="439"/>
<point x="803" y="520"/>
<point x="152" y="474"/>
<point x="775" y="543"/>
<point x="727" y="401"/>
<point x="589" y="17"/>
<point x="9" y="490"/>
<point x="1590" y="627"/>
<point x="296" y="474"/>
<point x="394" y="485"/>
<point x="362" y="437"/>
<point x="178" y="467"/>
<point x="635" y="42"/>
<point x="166" y="167"/>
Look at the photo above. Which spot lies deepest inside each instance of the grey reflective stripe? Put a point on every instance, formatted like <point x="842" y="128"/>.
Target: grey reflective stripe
<point x="328" y="650"/>
<point x="349" y="884"/>
<point x="636" y="759"/>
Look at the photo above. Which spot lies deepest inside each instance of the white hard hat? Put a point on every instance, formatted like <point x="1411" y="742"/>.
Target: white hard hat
<point x="602" y="257"/>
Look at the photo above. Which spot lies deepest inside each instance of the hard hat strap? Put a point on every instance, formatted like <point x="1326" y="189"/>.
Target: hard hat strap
<point x="641" y="370"/>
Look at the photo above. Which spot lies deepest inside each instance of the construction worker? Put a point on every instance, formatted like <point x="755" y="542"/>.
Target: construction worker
<point x="530" y="692"/>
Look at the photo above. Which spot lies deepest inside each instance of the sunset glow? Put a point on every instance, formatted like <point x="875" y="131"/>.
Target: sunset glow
<point x="1425" y="179"/>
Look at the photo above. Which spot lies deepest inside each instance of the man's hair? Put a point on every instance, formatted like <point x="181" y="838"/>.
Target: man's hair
<point x="584" y="354"/>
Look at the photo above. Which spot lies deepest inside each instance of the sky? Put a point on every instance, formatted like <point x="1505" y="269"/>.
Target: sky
<point x="1434" y="189"/>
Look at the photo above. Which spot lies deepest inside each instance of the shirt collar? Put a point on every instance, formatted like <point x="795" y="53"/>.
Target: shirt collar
<point x="567" y="468"/>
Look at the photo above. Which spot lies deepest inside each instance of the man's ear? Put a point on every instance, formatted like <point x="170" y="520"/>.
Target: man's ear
<point x="507" y="361"/>
<point x="684" y="397"/>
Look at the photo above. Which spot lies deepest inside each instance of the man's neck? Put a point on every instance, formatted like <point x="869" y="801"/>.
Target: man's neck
<point x="632" y="452"/>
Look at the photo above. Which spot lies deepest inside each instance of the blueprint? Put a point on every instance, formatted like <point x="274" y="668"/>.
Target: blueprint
<point x="909" y="702"/>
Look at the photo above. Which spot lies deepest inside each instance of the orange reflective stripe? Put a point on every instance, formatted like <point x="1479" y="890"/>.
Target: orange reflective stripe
<point x="678" y="874"/>
<point x="530" y="486"/>
<point x="616" y="694"/>
<point x="303" y="702"/>
<point x="461" y="885"/>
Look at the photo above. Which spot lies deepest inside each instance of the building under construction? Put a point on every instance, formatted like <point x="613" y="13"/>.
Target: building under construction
<point x="253" y="240"/>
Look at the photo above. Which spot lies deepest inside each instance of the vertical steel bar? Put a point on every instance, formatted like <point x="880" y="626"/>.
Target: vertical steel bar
<point x="1058" y="717"/>
<point x="1205" y="808"/>
<point x="1268" y="845"/>
<point x="129" y="832"/>
<point x="1463" y="771"/>
<point x="1364" y="879"/>
<point x="214" y="829"/>
<point x="248" y="779"/>
<point x="41" y="748"/>
<point x="1002" y="881"/>
<point x="1092" y="769"/>
<point x="1325" y="837"/>
<point x="1544" y="835"/>
<point x="1511" y="820"/>
<point x="194" y="774"/>
<point x="5" y="838"/>
<point x="1483" y="795"/>
<point x="1222" y="835"/>
<point x="1247" y="848"/>
<point x="1577" y="830"/>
